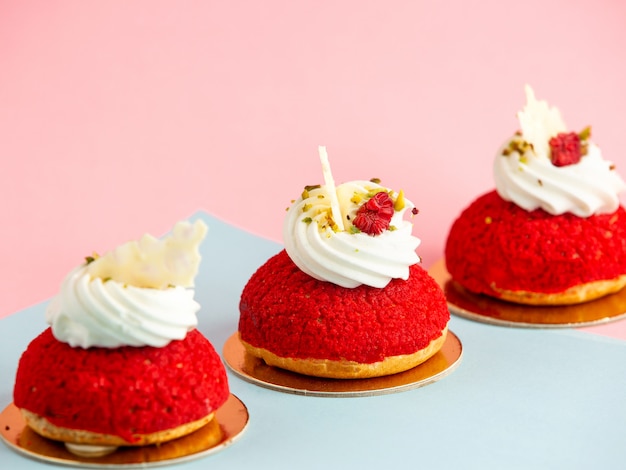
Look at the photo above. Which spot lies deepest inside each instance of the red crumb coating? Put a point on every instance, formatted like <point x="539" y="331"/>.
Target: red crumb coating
<point x="293" y="315"/>
<point x="121" y="391"/>
<point x="496" y="242"/>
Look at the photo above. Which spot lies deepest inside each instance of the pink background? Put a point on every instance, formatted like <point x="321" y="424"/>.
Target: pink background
<point x="119" y="118"/>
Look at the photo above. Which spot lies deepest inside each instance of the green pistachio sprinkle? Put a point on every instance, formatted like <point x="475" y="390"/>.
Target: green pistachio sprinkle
<point x="92" y="258"/>
<point x="356" y="198"/>
<point x="517" y="145"/>
<point x="585" y="133"/>
<point x="373" y="192"/>
<point x="399" y="203"/>
<point x="307" y="189"/>
<point x="307" y="220"/>
<point x="584" y="146"/>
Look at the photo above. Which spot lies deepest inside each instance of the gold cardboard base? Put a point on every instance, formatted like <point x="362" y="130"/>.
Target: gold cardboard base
<point x="255" y="371"/>
<point x="486" y="309"/>
<point x="229" y="423"/>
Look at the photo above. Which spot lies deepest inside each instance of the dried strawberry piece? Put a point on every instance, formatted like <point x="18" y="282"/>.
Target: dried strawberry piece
<point x="565" y="149"/>
<point x="374" y="216"/>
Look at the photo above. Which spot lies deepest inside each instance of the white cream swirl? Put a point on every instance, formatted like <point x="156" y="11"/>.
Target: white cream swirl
<point x="90" y="312"/>
<point x="531" y="181"/>
<point x="345" y="258"/>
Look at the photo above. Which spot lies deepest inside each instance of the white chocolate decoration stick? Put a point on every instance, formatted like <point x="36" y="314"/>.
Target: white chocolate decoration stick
<point x="330" y="187"/>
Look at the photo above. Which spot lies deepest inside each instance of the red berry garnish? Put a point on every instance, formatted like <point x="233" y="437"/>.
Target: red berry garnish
<point x="565" y="149"/>
<point x="374" y="216"/>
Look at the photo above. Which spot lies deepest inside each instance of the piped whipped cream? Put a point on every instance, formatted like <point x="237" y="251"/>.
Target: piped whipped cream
<point x="525" y="175"/>
<point x="102" y="306"/>
<point x="345" y="256"/>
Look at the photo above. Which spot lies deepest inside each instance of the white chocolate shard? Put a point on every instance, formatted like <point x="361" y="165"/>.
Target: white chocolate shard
<point x="539" y="123"/>
<point x="331" y="189"/>
<point x="155" y="263"/>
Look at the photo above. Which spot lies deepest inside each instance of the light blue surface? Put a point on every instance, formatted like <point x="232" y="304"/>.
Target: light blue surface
<point x="519" y="399"/>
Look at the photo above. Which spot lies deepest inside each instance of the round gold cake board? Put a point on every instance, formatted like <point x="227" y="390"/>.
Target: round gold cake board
<point x="228" y="425"/>
<point x="499" y="312"/>
<point x="254" y="370"/>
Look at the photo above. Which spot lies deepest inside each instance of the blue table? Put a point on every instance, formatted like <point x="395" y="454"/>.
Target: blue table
<point x="521" y="398"/>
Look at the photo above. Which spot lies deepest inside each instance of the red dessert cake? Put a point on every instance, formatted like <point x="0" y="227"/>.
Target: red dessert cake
<point x="347" y="298"/>
<point x="121" y="396"/>
<point x="553" y="232"/>
<point x="123" y="363"/>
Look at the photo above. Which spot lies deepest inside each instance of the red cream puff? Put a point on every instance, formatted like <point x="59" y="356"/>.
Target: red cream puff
<point x="347" y="298"/>
<point x="123" y="363"/>
<point x="553" y="232"/>
<point x="122" y="396"/>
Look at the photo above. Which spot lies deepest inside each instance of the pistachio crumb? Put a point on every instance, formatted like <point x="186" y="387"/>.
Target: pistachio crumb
<point x="517" y="145"/>
<point x="584" y="148"/>
<point x="90" y="259"/>
<point x="585" y="133"/>
<point x="373" y="192"/>
<point x="356" y="198"/>
<point x="399" y="204"/>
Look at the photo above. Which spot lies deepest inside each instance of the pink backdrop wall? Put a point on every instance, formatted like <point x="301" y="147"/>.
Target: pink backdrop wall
<point x="119" y="118"/>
